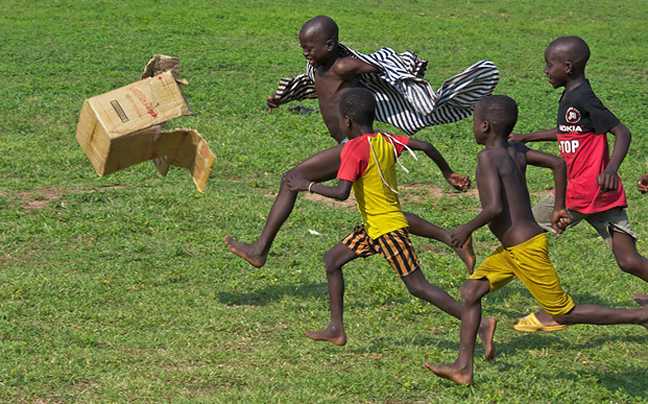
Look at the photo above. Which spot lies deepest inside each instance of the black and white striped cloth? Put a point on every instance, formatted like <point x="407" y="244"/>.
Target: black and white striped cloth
<point x="404" y="98"/>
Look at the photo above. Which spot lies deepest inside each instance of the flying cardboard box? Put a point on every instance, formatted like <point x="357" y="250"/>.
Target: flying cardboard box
<point x="122" y="127"/>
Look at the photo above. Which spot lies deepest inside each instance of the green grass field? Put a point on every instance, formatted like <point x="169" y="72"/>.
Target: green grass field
<point x="120" y="289"/>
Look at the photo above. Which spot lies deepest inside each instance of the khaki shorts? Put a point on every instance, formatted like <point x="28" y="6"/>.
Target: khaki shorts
<point x="529" y="262"/>
<point x="394" y="246"/>
<point x="614" y="219"/>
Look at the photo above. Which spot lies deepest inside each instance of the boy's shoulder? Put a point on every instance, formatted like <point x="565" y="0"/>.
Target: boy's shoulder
<point x="583" y="91"/>
<point x="354" y="147"/>
<point x="517" y="147"/>
<point x="493" y="156"/>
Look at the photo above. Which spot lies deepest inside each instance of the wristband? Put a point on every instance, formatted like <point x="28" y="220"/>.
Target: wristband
<point x="310" y="186"/>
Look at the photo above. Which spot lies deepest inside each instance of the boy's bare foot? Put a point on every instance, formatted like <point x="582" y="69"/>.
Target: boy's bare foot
<point x="486" y="333"/>
<point x="467" y="255"/>
<point x="328" y="334"/>
<point x="451" y="372"/>
<point x="246" y="251"/>
<point x="640" y="298"/>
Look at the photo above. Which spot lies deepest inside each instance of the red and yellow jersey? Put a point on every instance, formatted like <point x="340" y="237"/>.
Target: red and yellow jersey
<point x="368" y="162"/>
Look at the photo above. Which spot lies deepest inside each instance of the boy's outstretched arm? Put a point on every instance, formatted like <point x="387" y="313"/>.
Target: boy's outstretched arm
<point x="560" y="218"/>
<point x="340" y="192"/>
<point x="490" y="195"/>
<point x="608" y="179"/>
<point x="541" y="136"/>
<point x="459" y="182"/>
<point x="290" y="89"/>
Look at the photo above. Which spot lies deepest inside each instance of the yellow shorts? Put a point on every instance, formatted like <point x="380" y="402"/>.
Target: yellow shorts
<point x="530" y="263"/>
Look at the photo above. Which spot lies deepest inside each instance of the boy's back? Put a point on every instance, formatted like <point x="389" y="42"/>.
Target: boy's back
<point x="501" y="181"/>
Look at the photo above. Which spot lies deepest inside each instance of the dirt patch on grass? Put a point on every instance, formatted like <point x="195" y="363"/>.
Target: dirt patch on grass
<point x="40" y="198"/>
<point x="424" y="192"/>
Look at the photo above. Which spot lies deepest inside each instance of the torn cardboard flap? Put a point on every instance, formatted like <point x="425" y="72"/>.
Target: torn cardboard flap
<point x="162" y="63"/>
<point x="188" y="149"/>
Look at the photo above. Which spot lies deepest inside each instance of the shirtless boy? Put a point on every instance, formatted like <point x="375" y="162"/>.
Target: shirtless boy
<point x="333" y="76"/>
<point x="506" y="209"/>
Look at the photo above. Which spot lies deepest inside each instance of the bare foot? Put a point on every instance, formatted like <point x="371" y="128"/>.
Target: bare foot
<point x="640" y="298"/>
<point x="246" y="251"/>
<point x="467" y="255"/>
<point x="451" y="372"/>
<point x="486" y="333"/>
<point x="332" y="335"/>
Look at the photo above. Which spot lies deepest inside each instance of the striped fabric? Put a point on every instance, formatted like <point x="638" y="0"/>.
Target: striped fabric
<point x="404" y="98"/>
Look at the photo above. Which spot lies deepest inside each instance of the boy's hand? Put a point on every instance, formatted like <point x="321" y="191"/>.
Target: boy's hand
<point x="296" y="183"/>
<point x="560" y="220"/>
<point x="459" y="236"/>
<point x="642" y="184"/>
<point x="607" y="181"/>
<point x="516" y="137"/>
<point x="272" y="102"/>
<point x="459" y="182"/>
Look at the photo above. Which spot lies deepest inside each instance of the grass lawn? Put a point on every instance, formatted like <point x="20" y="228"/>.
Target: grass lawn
<point x="120" y="289"/>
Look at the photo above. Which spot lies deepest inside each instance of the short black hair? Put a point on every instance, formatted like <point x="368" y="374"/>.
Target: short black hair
<point x="573" y="49"/>
<point x="321" y="25"/>
<point x="501" y="112"/>
<point x="359" y="104"/>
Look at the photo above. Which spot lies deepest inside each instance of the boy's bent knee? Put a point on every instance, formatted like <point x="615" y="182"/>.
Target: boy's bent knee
<point x="330" y="261"/>
<point x="631" y="264"/>
<point x="474" y="289"/>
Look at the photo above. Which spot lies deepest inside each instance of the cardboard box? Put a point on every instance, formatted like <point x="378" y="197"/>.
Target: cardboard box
<point x="122" y="127"/>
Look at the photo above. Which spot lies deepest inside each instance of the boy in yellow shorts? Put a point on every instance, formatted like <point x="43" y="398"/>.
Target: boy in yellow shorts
<point x="367" y="165"/>
<point x="506" y="209"/>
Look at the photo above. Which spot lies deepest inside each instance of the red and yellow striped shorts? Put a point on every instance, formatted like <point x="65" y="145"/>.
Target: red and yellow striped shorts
<point x="394" y="246"/>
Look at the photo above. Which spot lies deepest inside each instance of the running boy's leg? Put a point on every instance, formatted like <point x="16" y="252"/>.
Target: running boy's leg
<point x="601" y="315"/>
<point x="422" y="228"/>
<point x="627" y="257"/>
<point x="319" y="167"/>
<point x="418" y="286"/>
<point x="334" y="260"/>
<point x="640" y="298"/>
<point x="461" y="371"/>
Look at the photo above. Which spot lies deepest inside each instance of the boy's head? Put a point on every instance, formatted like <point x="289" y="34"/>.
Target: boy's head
<point x="318" y="39"/>
<point x="356" y="107"/>
<point x="565" y="59"/>
<point x="494" y="115"/>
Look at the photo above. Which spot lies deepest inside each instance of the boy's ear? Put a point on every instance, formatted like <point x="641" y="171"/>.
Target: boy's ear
<point x="485" y="126"/>
<point x="347" y="121"/>
<point x="330" y="45"/>
<point x="569" y="67"/>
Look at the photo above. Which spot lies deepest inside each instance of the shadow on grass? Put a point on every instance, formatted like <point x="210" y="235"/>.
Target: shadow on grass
<point x="627" y="380"/>
<point x="271" y="294"/>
